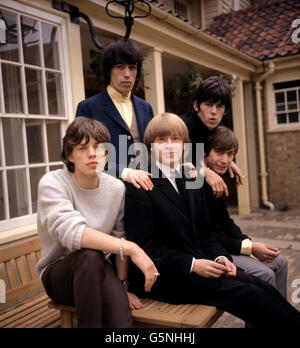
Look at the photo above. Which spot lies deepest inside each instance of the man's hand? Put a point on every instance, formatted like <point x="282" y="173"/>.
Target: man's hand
<point x="139" y="178"/>
<point x="234" y="171"/>
<point x="191" y="168"/>
<point x="134" y="301"/>
<point x="143" y="262"/>
<point x="208" y="269"/>
<point x="264" y="252"/>
<point x="231" y="268"/>
<point x="216" y="183"/>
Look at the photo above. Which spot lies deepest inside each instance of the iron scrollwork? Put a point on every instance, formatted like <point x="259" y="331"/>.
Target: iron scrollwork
<point x="129" y="8"/>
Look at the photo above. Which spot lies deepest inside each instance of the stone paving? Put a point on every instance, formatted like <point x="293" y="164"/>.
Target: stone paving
<point x="282" y="230"/>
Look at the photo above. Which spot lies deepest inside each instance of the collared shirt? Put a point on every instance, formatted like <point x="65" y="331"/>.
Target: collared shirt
<point x="122" y="103"/>
<point x="169" y="173"/>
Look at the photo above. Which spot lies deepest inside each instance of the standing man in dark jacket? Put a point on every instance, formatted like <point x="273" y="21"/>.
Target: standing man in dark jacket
<point x="125" y="115"/>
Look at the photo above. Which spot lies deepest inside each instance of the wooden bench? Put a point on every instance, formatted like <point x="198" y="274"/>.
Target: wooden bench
<point x="19" y="261"/>
<point x="155" y="314"/>
<point x="17" y="269"/>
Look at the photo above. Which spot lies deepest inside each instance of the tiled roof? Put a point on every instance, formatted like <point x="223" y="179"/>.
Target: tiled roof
<point x="262" y="31"/>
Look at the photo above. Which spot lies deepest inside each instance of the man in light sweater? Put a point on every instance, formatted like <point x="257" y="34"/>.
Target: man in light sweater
<point x="80" y="223"/>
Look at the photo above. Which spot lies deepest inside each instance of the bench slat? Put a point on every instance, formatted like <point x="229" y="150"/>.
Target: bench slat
<point x="10" y="274"/>
<point x="19" y="249"/>
<point x="19" y="308"/>
<point x="22" y="290"/>
<point x="24" y="311"/>
<point x="21" y="270"/>
<point x="51" y="320"/>
<point x="33" y="319"/>
<point x="31" y="266"/>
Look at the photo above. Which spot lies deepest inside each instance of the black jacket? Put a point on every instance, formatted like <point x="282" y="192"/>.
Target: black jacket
<point x="171" y="234"/>
<point x="198" y="132"/>
<point x="227" y="233"/>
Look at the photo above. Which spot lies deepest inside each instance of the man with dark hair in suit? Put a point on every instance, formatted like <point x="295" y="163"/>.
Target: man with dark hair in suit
<point x="120" y="111"/>
<point x="170" y="225"/>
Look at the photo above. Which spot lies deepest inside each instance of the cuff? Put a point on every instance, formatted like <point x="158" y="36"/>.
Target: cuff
<point x="246" y="248"/>
<point x="192" y="265"/>
<point x="219" y="257"/>
<point x="124" y="173"/>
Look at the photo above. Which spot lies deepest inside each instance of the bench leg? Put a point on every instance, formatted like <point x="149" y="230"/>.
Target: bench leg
<point x="66" y="319"/>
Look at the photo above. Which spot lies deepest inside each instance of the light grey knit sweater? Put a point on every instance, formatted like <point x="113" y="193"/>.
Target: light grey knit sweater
<point x="65" y="209"/>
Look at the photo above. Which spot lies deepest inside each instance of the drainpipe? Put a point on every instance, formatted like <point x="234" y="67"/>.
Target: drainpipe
<point x="263" y="174"/>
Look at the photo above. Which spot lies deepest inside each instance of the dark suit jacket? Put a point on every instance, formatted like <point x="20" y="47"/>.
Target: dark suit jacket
<point x="157" y="222"/>
<point x="100" y="107"/>
<point x="227" y="233"/>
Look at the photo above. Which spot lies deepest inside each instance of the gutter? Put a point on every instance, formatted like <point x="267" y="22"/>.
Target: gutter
<point x="263" y="173"/>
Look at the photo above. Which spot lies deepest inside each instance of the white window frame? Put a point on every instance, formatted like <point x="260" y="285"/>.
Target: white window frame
<point x="271" y="105"/>
<point x="60" y="22"/>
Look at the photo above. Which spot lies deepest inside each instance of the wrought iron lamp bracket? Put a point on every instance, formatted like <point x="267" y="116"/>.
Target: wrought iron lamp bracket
<point x="128" y="18"/>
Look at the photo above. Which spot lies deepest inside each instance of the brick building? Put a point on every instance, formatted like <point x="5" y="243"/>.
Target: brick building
<point x="270" y="32"/>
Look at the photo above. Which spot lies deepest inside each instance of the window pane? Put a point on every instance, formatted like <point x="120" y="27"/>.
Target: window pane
<point x="10" y="49"/>
<point x="34" y="92"/>
<point x="50" y="46"/>
<point x="31" y="39"/>
<point x="35" y="176"/>
<point x="13" y="141"/>
<point x="281" y="118"/>
<point x="54" y="93"/>
<point x="1" y="197"/>
<point x="280" y="107"/>
<point x="17" y="191"/>
<point x="291" y="96"/>
<point x="293" y="117"/>
<point x="12" y="89"/>
<point x="279" y="97"/>
<point x="291" y="99"/>
<point x="54" y="140"/>
<point x="34" y="141"/>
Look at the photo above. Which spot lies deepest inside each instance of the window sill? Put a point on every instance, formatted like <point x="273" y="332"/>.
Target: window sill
<point x="18" y="233"/>
<point x="284" y="129"/>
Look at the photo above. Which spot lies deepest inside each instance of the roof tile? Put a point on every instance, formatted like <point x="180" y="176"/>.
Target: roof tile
<point x="262" y="31"/>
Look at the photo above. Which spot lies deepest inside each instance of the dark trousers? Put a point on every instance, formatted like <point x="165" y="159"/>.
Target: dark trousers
<point x="86" y="280"/>
<point x="247" y="297"/>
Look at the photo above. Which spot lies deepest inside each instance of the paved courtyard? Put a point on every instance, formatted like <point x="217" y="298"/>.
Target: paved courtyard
<point x="281" y="229"/>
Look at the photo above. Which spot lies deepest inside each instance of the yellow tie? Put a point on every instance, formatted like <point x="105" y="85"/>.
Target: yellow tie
<point x="123" y="104"/>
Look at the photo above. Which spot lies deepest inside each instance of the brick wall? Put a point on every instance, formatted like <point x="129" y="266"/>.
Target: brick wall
<point x="283" y="160"/>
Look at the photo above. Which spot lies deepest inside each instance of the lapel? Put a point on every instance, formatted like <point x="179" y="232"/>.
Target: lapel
<point x="110" y="109"/>
<point x="167" y="189"/>
<point x="139" y="112"/>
